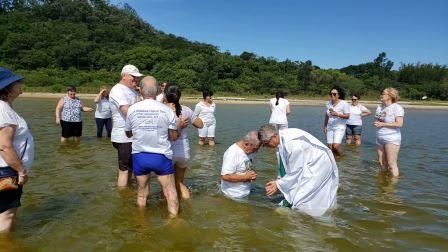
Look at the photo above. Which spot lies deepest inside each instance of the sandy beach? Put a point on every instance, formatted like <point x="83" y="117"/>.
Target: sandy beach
<point x="241" y="100"/>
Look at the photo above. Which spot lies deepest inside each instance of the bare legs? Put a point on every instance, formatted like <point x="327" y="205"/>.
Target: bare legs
<point x="7" y="219"/>
<point x="211" y="141"/>
<point x="168" y="188"/>
<point x="179" y="175"/>
<point x="357" y="138"/>
<point x="123" y="178"/>
<point x="335" y="148"/>
<point x="387" y="157"/>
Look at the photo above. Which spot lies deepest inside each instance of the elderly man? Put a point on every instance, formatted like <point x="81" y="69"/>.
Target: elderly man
<point x="152" y="124"/>
<point x="308" y="173"/>
<point x="121" y="97"/>
<point x="236" y="172"/>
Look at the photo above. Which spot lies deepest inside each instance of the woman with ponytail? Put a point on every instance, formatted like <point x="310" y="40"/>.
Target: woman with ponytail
<point x="181" y="147"/>
<point x="279" y="110"/>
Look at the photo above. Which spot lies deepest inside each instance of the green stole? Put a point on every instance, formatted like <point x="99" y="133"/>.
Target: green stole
<point x="282" y="172"/>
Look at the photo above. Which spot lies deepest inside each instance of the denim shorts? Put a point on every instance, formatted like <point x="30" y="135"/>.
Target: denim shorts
<point x="9" y="199"/>
<point x="353" y="130"/>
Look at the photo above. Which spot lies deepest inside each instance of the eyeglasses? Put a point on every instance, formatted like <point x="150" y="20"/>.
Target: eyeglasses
<point x="333" y="94"/>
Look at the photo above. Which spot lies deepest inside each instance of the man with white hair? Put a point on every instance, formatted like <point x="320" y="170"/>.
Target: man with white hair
<point x="152" y="124"/>
<point x="236" y="172"/>
<point x="121" y="97"/>
<point x="308" y="175"/>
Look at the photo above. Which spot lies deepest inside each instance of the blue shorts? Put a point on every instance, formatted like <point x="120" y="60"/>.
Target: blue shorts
<point x="144" y="163"/>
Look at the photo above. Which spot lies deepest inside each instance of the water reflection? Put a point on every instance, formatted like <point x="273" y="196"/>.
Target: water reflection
<point x="71" y="201"/>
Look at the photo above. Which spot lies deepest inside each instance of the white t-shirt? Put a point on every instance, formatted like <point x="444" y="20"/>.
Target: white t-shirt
<point x="159" y="97"/>
<point x="235" y="161"/>
<point x="120" y="95"/>
<point x="356" y="114"/>
<point x="103" y="109"/>
<point x="206" y="113"/>
<point x="335" y="122"/>
<point x="387" y="115"/>
<point x="278" y="115"/>
<point x="181" y="147"/>
<point x="22" y="135"/>
<point x="149" y="121"/>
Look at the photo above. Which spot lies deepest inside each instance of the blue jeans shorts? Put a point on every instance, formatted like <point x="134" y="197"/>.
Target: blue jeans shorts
<point x="353" y="130"/>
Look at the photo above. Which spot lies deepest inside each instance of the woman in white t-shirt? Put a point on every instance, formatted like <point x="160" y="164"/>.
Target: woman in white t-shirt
<point x="388" y="121"/>
<point x="103" y="114"/>
<point x="279" y="110"/>
<point x="337" y="112"/>
<point x="206" y="111"/>
<point x="181" y="146"/>
<point x="354" y="122"/>
<point x="17" y="149"/>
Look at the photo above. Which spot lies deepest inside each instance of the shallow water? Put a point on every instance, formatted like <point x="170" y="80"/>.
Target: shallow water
<point x="71" y="202"/>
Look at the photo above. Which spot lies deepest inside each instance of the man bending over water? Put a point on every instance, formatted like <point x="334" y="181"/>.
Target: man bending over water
<point x="236" y="172"/>
<point x="308" y="175"/>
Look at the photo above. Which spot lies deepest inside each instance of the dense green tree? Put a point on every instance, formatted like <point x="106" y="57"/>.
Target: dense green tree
<point x="86" y="43"/>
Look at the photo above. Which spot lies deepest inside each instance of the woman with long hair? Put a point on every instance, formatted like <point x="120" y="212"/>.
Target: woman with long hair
<point x="181" y="147"/>
<point x="280" y="109"/>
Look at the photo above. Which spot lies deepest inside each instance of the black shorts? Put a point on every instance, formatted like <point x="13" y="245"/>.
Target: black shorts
<point x="124" y="156"/>
<point x="71" y="129"/>
<point x="10" y="199"/>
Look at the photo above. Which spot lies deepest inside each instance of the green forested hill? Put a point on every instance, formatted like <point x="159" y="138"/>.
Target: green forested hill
<point x="54" y="43"/>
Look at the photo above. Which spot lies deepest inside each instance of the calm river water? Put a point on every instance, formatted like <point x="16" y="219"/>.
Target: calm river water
<point x="71" y="202"/>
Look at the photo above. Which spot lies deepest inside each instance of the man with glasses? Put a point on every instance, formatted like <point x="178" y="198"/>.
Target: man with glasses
<point x="308" y="175"/>
<point x="236" y="172"/>
<point x="121" y="97"/>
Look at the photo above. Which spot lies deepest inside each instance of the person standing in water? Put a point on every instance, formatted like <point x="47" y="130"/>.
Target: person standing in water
<point x="354" y="122"/>
<point x="69" y="115"/>
<point x="103" y="114"/>
<point x="181" y="146"/>
<point x="280" y="109"/>
<point x="388" y="121"/>
<point x="121" y="97"/>
<point x="337" y="111"/>
<point x="206" y="111"/>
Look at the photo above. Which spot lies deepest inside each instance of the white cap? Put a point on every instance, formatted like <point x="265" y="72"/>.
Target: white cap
<point x="132" y="70"/>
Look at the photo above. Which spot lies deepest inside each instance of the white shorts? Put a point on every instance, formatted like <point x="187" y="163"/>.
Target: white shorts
<point x="335" y="136"/>
<point x="280" y="126"/>
<point x="180" y="162"/>
<point x="388" y="139"/>
<point x="208" y="130"/>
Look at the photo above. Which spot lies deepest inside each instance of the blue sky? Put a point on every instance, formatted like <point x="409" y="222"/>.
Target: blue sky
<point x="332" y="34"/>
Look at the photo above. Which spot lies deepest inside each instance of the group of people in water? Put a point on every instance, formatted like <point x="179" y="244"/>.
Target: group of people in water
<point x="148" y="130"/>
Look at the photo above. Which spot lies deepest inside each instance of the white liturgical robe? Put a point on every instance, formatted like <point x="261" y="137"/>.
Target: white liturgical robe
<point x="311" y="180"/>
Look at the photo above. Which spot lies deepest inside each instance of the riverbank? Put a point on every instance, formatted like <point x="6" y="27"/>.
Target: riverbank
<point x="243" y="100"/>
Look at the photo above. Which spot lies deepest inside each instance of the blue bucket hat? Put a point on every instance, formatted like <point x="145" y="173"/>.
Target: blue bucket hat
<point x="7" y="77"/>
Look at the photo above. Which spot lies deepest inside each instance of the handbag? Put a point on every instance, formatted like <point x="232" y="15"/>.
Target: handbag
<point x="9" y="178"/>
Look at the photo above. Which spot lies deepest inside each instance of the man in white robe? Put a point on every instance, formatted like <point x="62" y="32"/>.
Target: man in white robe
<point x="310" y="178"/>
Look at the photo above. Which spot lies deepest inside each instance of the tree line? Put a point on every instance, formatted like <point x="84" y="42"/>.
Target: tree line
<point x="85" y="43"/>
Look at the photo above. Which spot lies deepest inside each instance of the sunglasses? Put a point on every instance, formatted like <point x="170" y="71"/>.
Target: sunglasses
<point x="354" y="99"/>
<point x="333" y="94"/>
